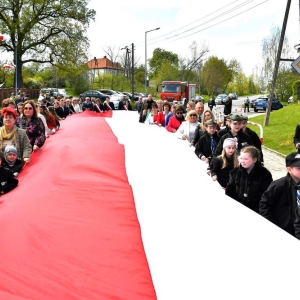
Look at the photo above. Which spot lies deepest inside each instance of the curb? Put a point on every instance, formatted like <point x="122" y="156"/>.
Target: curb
<point x="273" y="151"/>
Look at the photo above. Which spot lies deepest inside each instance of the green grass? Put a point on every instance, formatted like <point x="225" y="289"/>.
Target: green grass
<point x="278" y="135"/>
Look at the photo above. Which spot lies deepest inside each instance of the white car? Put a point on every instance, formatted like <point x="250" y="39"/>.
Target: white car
<point x="62" y="92"/>
<point x="115" y="99"/>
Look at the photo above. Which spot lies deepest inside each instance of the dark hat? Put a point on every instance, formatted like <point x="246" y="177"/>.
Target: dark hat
<point x="244" y="118"/>
<point x="235" y="117"/>
<point x="210" y="123"/>
<point x="293" y="160"/>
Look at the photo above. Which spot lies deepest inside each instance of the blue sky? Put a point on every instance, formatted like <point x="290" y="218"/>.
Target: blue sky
<point x="121" y="23"/>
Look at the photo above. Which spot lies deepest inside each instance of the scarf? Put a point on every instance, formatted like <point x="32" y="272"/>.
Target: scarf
<point x="4" y="135"/>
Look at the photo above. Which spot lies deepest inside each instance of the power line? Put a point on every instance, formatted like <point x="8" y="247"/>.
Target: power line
<point x="210" y="20"/>
<point x="215" y="23"/>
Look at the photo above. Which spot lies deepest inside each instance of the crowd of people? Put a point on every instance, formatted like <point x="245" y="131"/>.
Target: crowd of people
<point x="25" y="126"/>
<point x="233" y="155"/>
<point x="231" y="151"/>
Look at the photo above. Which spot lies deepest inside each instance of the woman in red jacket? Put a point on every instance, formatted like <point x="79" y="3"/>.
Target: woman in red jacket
<point x="162" y="115"/>
<point x="176" y="120"/>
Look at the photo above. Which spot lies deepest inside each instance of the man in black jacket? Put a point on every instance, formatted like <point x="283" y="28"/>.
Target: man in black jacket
<point x="87" y="104"/>
<point x="279" y="202"/>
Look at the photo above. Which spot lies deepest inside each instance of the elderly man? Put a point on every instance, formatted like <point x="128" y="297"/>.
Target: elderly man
<point x="87" y="104"/>
<point x="199" y="108"/>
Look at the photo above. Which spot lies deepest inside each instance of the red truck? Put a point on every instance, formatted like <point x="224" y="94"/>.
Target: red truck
<point x="177" y="91"/>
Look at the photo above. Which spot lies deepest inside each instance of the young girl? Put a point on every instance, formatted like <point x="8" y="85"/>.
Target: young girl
<point x="223" y="164"/>
<point x="250" y="180"/>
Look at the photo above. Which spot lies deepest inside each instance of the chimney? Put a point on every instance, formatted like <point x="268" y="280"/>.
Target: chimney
<point x="104" y="56"/>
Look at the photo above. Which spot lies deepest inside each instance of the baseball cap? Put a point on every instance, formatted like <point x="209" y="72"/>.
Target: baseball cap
<point x="293" y="160"/>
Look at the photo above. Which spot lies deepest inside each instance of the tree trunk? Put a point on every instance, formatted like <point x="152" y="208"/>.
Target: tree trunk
<point x="18" y="78"/>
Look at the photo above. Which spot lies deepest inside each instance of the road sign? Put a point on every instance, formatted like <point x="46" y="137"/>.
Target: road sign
<point x="296" y="64"/>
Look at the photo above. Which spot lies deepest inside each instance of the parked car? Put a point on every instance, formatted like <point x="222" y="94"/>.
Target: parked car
<point x="62" y="93"/>
<point x="291" y="100"/>
<point x="219" y="99"/>
<point x="95" y="94"/>
<point x="262" y="102"/>
<point x="129" y="95"/>
<point x="52" y="92"/>
<point x="116" y="98"/>
<point x="233" y="96"/>
<point x="252" y="101"/>
<point x="198" y="99"/>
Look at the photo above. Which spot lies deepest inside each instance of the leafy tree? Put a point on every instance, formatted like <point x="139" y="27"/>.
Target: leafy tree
<point x="45" y="31"/>
<point x="215" y="75"/>
<point x="159" y="58"/>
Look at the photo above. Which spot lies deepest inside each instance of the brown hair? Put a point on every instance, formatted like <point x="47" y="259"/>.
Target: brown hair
<point x="33" y="105"/>
<point x="8" y="101"/>
<point x="252" y="150"/>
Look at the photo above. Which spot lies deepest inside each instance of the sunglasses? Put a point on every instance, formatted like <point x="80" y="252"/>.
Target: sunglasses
<point x="28" y="108"/>
<point x="179" y="112"/>
<point x="193" y="115"/>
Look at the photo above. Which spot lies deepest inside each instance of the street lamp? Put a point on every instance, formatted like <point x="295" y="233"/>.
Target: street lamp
<point x="146" y="57"/>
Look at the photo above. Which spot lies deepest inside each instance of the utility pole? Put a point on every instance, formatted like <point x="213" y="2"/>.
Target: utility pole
<point x="275" y="72"/>
<point x="132" y="71"/>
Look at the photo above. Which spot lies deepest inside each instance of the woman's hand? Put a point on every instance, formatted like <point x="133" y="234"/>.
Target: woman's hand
<point x="27" y="160"/>
<point x="214" y="178"/>
<point x="203" y="158"/>
<point x="35" y="147"/>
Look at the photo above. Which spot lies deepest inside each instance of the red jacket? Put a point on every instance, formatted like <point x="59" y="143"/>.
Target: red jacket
<point x="161" y="119"/>
<point x="174" y="124"/>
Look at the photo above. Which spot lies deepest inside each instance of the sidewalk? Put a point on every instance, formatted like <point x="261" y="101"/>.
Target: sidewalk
<point x="275" y="163"/>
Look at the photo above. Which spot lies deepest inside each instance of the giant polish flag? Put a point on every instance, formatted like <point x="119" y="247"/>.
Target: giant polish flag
<point x="113" y="209"/>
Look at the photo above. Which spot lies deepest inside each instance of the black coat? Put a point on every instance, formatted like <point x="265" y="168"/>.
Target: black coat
<point x="7" y="180"/>
<point x="109" y="106"/>
<point x="256" y="141"/>
<point x="88" y="106"/>
<point x="227" y="106"/>
<point x="198" y="133"/>
<point x="243" y="140"/>
<point x="203" y="147"/>
<point x="276" y="204"/>
<point x="221" y="173"/>
<point x="248" y="188"/>
<point x="297" y="135"/>
<point x="16" y="168"/>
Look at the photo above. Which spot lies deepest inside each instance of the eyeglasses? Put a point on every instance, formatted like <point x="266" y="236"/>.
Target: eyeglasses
<point x="193" y="115"/>
<point x="28" y="108"/>
<point x="179" y="112"/>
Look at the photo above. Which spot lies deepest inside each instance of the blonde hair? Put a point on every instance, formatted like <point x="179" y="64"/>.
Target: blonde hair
<point x="191" y="104"/>
<point x="187" y="117"/>
<point x="224" y="159"/>
<point x="203" y="119"/>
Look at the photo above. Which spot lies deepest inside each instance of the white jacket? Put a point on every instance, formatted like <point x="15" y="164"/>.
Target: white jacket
<point x="184" y="130"/>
